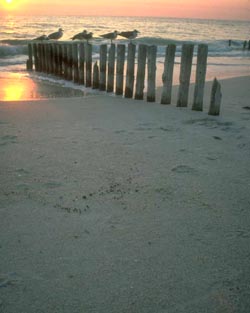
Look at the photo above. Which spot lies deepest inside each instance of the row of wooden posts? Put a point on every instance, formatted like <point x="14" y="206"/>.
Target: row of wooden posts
<point x="73" y="61"/>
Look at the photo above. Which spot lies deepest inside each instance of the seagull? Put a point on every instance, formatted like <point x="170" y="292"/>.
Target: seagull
<point x="80" y="36"/>
<point x="57" y="35"/>
<point x="87" y="36"/>
<point x="130" y="35"/>
<point x="110" y="36"/>
<point x="43" y="37"/>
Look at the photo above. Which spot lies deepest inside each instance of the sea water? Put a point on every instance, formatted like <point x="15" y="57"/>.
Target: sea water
<point x="224" y="60"/>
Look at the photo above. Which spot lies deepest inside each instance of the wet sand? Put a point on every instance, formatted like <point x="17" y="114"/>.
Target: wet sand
<point x="115" y="205"/>
<point x="22" y="87"/>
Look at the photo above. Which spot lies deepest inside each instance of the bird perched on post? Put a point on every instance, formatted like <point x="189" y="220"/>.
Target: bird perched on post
<point x="87" y="36"/>
<point x="112" y="36"/>
<point x="43" y="37"/>
<point x="80" y="36"/>
<point x="57" y="35"/>
<point x="130" y="35"/>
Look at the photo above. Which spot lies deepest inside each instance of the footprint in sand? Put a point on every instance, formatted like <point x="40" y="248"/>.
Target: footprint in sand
<point x="52" y="184"/>
<point x="4" y="140"/>
<point x="183" y="169"/>
<point x="239" y="233"/>
<point x="8" y="279"/>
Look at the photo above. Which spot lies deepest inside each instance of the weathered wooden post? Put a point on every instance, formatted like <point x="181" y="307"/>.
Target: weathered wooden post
<point x="120" y="69"/>
<point x="200" y="77"/>
<point x="185" y="73"/>
<point x="88" y="54"/>
<point x="51" y="58"/>
<point x="140" y="77"/>
<point x="55" y="58"/>
<point x="111" y="68"/>
<point x="152" y="51"/>
<point x="35" y="56"/>
<point x="43" y="58"/>
<point x="81" y="64"/>
<point x="60" y="59"/>
<point x="96" y="76"/>
<point x="215" y="100"/>
<point x="70" y="62"/>
<point x="46" y="57"/>
<point x="103" y="66"/>
<point x="75" y="63"/>
<point x="29" y="63"/>
<point x="129" y="89"/>
<point x="39" y="57"/>
<point x="65" y="60"/>
<point x="167" y="76"/>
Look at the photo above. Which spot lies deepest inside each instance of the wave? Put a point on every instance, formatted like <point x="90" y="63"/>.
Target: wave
<point x="12" y="50"/>
<point x="14" y="42"/>
<point x="216" y="48"/>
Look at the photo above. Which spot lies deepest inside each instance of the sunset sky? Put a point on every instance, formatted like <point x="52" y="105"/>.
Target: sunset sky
<point x="216" y="9"/>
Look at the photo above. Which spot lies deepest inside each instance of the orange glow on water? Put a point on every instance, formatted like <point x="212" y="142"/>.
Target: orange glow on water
<point x="17" y="88"/>
<point x="13" y="92"/>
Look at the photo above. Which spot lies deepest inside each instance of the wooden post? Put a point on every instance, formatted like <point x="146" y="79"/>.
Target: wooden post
<point x="35" y="56"/>
<point x="103" y="65"/>
<point x="75" y="63"/>
<point x="46" y="58"/>
<point x="70" y="62"/>
<point x="129" y="89"/>
<point x="140" y="77"/>
<point x="185" y="73"/>
<point x="215" y="100"/>
<point x="120" y="69"/>
<point x="152" y="51"/>
<point x="50" y="58"/>
<point x="60" y="59"/>
<point x="43" y="58"/>
<point x="43" y="69"/>
<point x="200" y="77"/>
<point x="81" y="63"/>
<point x="111" y="68"/>
<point x="53" y="58"/>
<point x="29" y="64"/>
<point x="88" y="54"/>
<point x="56" y="59"/>
<point x="64" y="61"/>
<point x="95" y="76"/>
<point x="167" y="76"/>
<point x="39" y="57"/>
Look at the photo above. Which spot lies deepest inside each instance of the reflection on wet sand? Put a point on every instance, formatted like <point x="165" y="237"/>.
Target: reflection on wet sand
<point x="17" y="87"/>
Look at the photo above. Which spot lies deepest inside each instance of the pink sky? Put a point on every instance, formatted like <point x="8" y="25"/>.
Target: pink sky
<point x="215" y="9"/>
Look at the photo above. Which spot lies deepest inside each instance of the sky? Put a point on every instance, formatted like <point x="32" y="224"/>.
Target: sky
<point x="208" y="9"/>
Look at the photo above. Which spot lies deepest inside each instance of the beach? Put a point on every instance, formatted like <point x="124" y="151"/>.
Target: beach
<point x="115" y="205"/>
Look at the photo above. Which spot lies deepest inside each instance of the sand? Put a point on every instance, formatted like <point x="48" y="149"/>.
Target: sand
<point x="115" y="205"/>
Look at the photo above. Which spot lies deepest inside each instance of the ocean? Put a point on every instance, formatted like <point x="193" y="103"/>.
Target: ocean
<point x="224" y="60"/>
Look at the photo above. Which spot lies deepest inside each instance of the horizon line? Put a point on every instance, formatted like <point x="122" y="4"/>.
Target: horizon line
<point x="128" y="16"/>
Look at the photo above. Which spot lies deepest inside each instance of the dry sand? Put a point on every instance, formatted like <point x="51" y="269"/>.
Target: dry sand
<point x="121" y="206"/>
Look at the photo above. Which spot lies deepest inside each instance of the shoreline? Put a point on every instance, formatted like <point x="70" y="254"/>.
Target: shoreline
<point x="26" y="86"/>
